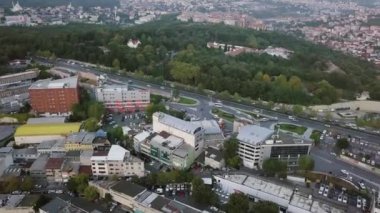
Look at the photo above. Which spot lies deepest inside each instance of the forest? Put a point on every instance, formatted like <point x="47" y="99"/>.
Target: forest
<point x="177" y="51"/>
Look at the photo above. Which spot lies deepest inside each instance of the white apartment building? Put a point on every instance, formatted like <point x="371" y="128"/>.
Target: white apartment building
<point x="191" y="133"/>
<point x="258" y="143"/>
<point x="117" y="161"/>
<point x="121" y="98"/>
<point x="250" y="139"/>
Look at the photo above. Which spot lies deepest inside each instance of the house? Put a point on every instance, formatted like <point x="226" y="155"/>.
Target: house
<point x="133" y="43"/>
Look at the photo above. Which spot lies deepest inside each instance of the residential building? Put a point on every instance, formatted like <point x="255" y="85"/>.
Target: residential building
<point x="54" y="148"/>
<point x="29" y="153"/>
<point x="214" y="158"/>
<point x="117" y="161"/>
<point x="139" y="199"/>
<point x="258" y="143"/>
<point x="80" y="141"/>
<point x="18" y="203"/>
<point x="37" y="133"/>
<point x="53" y="169"/>
<point x="285" y="196"/>
<point x="120" y="98"/>
<point x="133" y="43"/>
<point x="191" y="133"/>
<point x="54" y="97"/>
<point x="6" y="158"/>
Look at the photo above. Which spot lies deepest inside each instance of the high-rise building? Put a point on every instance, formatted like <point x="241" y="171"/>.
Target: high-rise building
<point x="258" y="143"/>
<point x="54" y="97"/>
<point x="120" y="98"/>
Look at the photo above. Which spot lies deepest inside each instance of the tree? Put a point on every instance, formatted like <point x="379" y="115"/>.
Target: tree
<point x="272" y="167"/>
<point x="175" y="93"/>
<point x="91" y="125"/>
<point x="91" y="193"/>
<point x="116" y="64"/>
<point x="297" y="109"/>
<point x="115" y="134"/>
<point x="230" y="154"/>
<point x="184" y="72"/>
<point x="78" y="183"/>
<point x="203" y="194"/>
<point x="252" y="42"/>
<point x="342" y="143"/>
<point x="27" y="184"/>
<point x="152" y="108"/>
<point x="108" y="197"/>
<point x="264" y="206"/>
<point x="305" y="163"/>
<point x="12" y="184"/>
<point x="95" y="110"/>
<point x="237" y="203"/>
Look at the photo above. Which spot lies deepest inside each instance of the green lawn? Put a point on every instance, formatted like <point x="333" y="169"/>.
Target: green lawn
<point x="184" y="100"/>
<point x="316" y="135"/>
<point x="224" y="115"/>
<point x="293" y="128"/>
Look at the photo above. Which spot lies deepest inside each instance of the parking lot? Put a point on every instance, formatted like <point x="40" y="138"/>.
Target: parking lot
<point x="341" y="196"/>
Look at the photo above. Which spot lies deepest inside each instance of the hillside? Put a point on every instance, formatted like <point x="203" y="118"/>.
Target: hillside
<point x="177" y="51"/>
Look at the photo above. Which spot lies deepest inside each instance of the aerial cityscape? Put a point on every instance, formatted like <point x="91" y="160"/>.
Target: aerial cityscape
<point x="179" y="106"/>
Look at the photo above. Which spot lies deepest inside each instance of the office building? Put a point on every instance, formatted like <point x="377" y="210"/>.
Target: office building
<point x="214" y="158"/>
<point x="117" y="161"/>
<point x="120" y="98"/>
<point x="285" y="196"/>
<point x="6" y="158"/>
<point x="258" y="143"/>
<point x="54" y="97"/>
<point x="191" y="133"/>
<point x="18" y="83"/>
<point x="213" y="135"/>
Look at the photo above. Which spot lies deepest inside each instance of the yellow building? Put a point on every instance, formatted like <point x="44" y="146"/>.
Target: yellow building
<point x="37" y="133"/>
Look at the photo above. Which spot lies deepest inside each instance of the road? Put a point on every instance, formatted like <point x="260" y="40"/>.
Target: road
<point x="324" y="161"/>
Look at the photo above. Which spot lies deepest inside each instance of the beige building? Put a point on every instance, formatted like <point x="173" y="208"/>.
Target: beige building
<point x="117" y="161"/>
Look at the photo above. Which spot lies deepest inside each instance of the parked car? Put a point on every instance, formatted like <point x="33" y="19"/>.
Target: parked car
<point x="345" y="199"/>
<point x="359" y="202"/>
<point x="326" y="191"/>
<point x="340" y="198"/>
<point x="321" y="189"/>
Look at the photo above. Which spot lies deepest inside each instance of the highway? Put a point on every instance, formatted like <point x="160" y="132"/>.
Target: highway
<point x="325" y="162"/>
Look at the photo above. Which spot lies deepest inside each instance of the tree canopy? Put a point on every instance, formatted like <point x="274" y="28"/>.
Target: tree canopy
<point x="237" y="203"/>
<point x="230" y="154"/>
<point x="177" y="51"/>
<point x="272" y="167"/>
<point x="305" y="163"/>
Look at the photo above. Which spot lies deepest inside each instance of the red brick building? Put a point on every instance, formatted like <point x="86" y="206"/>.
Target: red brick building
<point x="54" y="96"/>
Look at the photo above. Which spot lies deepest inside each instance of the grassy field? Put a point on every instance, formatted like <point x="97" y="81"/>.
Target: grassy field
<point x="184" y="100"/>
<point x="293" y="128"/>
<point x="316" y="135"/>
<point x="21" y="117"/>
<point x="224" y="115"/>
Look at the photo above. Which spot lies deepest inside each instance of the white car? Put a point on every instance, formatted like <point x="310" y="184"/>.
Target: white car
<point x="344" y="171"/>
<point x="321" y="189"/>
<point x="359" y="202"/>
<point x="362" y="186"/>
<point x="340" y="198"/>
<point x="326" y="191"/>
<point x="345" y="199"/>
<point x="364" y="202"/>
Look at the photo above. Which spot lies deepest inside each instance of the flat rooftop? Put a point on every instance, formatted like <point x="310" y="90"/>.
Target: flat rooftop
<point x="177" y="123"/>
<point x="210" y="126"/>
<point x="47" y="129"/>
<point x="254" y="135"/>
<point x="81" y="137"/>
<point x="70" y="82"/>
<point x="46" y="120"/>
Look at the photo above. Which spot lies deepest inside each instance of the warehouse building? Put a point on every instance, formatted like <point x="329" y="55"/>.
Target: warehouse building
<point x="37" y="133"/>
